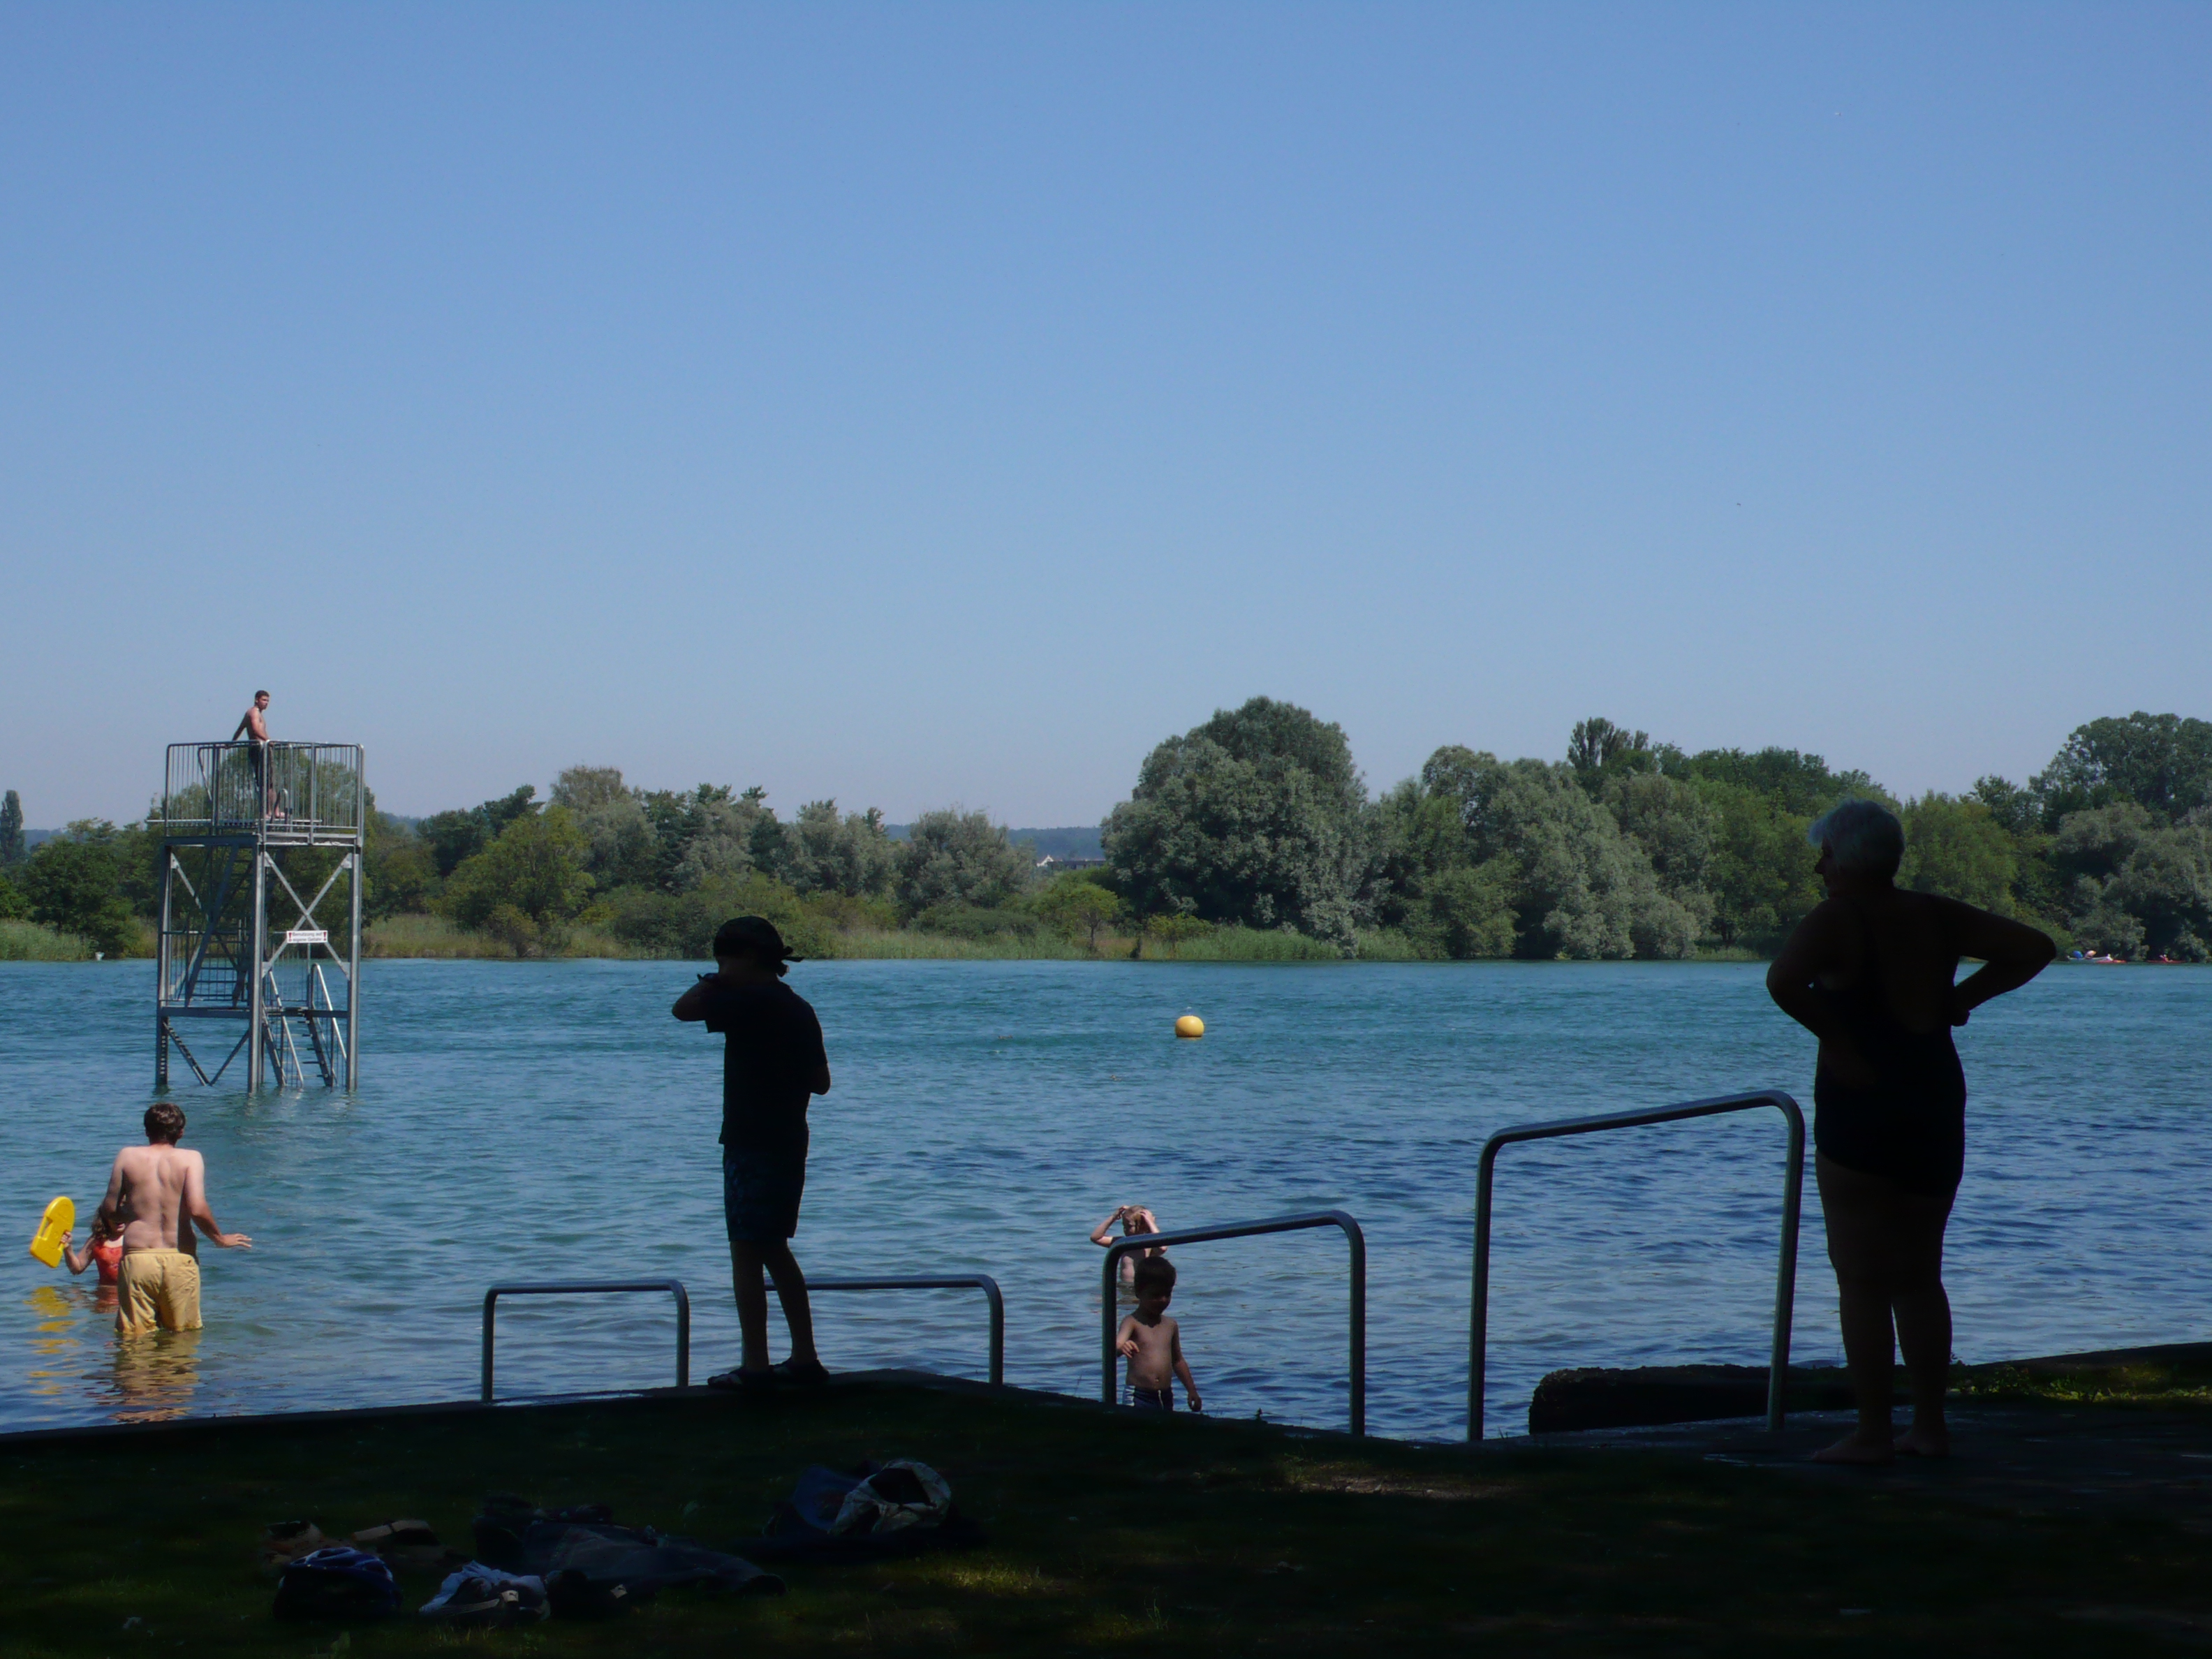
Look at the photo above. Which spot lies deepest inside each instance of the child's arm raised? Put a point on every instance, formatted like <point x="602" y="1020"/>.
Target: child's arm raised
<point x="78" y="1260"/>
<point x="1101" y="1235"/>
<point x="1183" y="1370"/>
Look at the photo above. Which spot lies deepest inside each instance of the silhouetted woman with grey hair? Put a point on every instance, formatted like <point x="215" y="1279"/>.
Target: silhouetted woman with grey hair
<point x="1870" y="973"/>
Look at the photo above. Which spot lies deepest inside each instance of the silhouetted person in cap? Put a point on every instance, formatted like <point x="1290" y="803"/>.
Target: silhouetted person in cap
<point x="772" y="1065"/>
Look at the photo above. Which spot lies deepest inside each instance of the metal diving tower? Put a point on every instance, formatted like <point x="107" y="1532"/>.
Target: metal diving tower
<point x="256" y="840"/>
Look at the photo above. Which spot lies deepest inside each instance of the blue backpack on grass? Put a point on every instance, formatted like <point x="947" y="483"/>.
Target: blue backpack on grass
<point x="336" y="1584"/>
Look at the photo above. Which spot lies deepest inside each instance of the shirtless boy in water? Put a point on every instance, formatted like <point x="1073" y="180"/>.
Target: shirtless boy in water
<point x="1152" y="1342"/>
<point x="158" y="1192"/>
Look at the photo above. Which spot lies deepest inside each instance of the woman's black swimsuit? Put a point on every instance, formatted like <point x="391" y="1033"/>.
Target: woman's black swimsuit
<point x="1912" y="1125"/>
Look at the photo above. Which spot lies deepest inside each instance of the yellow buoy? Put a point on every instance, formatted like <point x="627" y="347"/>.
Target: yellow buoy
<point x="1190" y="1025"/>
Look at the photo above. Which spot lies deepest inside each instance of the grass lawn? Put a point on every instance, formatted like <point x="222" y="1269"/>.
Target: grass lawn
<point x="1109" y="1532"/>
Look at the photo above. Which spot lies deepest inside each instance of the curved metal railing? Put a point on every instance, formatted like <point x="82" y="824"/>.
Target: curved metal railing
<point x="983" y="1282"/>
<point x="1110" y="1310"/>
<point x="1785" y="1280"/>
<point x="596" y="1287"/>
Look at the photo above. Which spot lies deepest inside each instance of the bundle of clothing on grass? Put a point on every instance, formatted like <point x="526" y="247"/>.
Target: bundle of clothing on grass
<point x="530" y="1563"/>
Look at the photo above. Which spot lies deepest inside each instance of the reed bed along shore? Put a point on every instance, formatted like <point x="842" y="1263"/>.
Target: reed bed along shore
<point x="438" y="938"/>
<point x="31" y="941"/>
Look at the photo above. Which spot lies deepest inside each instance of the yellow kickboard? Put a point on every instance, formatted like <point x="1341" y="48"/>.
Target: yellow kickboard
<point x="53" y="1227"/>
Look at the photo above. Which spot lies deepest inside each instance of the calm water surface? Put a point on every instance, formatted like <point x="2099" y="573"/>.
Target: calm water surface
<point x="539" y="1120"/>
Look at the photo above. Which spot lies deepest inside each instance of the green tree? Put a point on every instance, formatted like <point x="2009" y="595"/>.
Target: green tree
<point x="1960" y="850"/>
<point x="706" y="834"/>
<point x="1675" y="825"/>
<point x="71" y="883"/>
<point x="1760" y="871"/>
<point x="535" y="869"/>
<point x="1798" y="785"/>
<point x="14" y="903"/>
<point x="824" y="853"/>
<point x="461" y="834"/>
<point x="2135" y="884"/>
<point x="953" y="857"/>
<point x="11" y="830"/>
<point x="2161" y="762"/>
<point x="1079" y="905"/>
<point x="1580" y="888"/>
<point x="1601" y="752"/>
<point x="624" y="848"/>
<point x="1256" y="817"/>
<point x="1467" y="911"/>
<point x="1422" y="882"/>
<point x="401" y="869"/>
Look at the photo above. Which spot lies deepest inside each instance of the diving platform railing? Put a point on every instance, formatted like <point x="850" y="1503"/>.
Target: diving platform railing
<point x="1785" y="1276"/>
<point x="291" y="793"/>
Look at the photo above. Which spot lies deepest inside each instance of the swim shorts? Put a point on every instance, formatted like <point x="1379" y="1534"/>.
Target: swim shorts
<point x="157" y="1287"/>
<point x="1152" y="1399"/>
<point x="761" y="1190"/>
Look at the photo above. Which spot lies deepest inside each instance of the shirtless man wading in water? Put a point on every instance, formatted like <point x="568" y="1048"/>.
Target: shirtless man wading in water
<point x="159" y="1192"/>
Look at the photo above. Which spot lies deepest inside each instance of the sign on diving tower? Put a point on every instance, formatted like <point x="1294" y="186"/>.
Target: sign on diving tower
<point x="261" y="887"/>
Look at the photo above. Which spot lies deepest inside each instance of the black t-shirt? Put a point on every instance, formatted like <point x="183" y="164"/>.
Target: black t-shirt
<point x="771" y="1051"/>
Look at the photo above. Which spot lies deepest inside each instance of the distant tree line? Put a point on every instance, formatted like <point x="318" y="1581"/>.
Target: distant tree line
<point x="1629" y="848"/>
<point x="1259" y="819"/>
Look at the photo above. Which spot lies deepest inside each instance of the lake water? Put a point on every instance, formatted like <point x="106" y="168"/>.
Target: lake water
<point x="544" y="1121"/>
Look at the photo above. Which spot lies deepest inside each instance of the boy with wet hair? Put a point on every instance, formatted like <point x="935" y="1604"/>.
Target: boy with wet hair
<point x="1154" y="1343"/>
<point x="772" y="1064"/>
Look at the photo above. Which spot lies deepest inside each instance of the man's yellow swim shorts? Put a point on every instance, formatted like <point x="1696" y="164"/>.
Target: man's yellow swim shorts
<point x="157" y="1287"/>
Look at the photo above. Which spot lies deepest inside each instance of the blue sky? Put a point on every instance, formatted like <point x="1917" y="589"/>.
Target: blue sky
<point x="925" y="403"/>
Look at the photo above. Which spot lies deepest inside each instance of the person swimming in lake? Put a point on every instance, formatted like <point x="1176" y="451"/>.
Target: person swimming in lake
<point x="1870" y="974"/>
<point x="1134" y="1218"/>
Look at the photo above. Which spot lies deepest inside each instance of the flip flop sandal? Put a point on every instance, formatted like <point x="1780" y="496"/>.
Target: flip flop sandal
<point x="805" y="1373"/>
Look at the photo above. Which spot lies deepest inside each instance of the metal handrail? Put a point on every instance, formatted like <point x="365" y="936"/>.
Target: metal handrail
<point x="597" y="1287"/>
<point x="983" y="1282"/>
<point x="1785" y="1279"/>
<point x="1285" y="1224"/>
<point x="280" y="792"/>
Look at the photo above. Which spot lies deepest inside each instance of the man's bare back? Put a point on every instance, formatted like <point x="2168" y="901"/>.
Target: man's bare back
<point x="158" y="1191"/>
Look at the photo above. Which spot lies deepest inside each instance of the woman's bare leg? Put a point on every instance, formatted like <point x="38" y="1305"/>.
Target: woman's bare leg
<point x="1922" y="1313"/>
<point x="1860" y="1249"/>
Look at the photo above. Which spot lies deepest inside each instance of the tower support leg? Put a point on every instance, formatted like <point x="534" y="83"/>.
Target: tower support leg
<point x="162" y="973"/>
<point x="256" y="959"/>
<point x="352" y="981"/>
